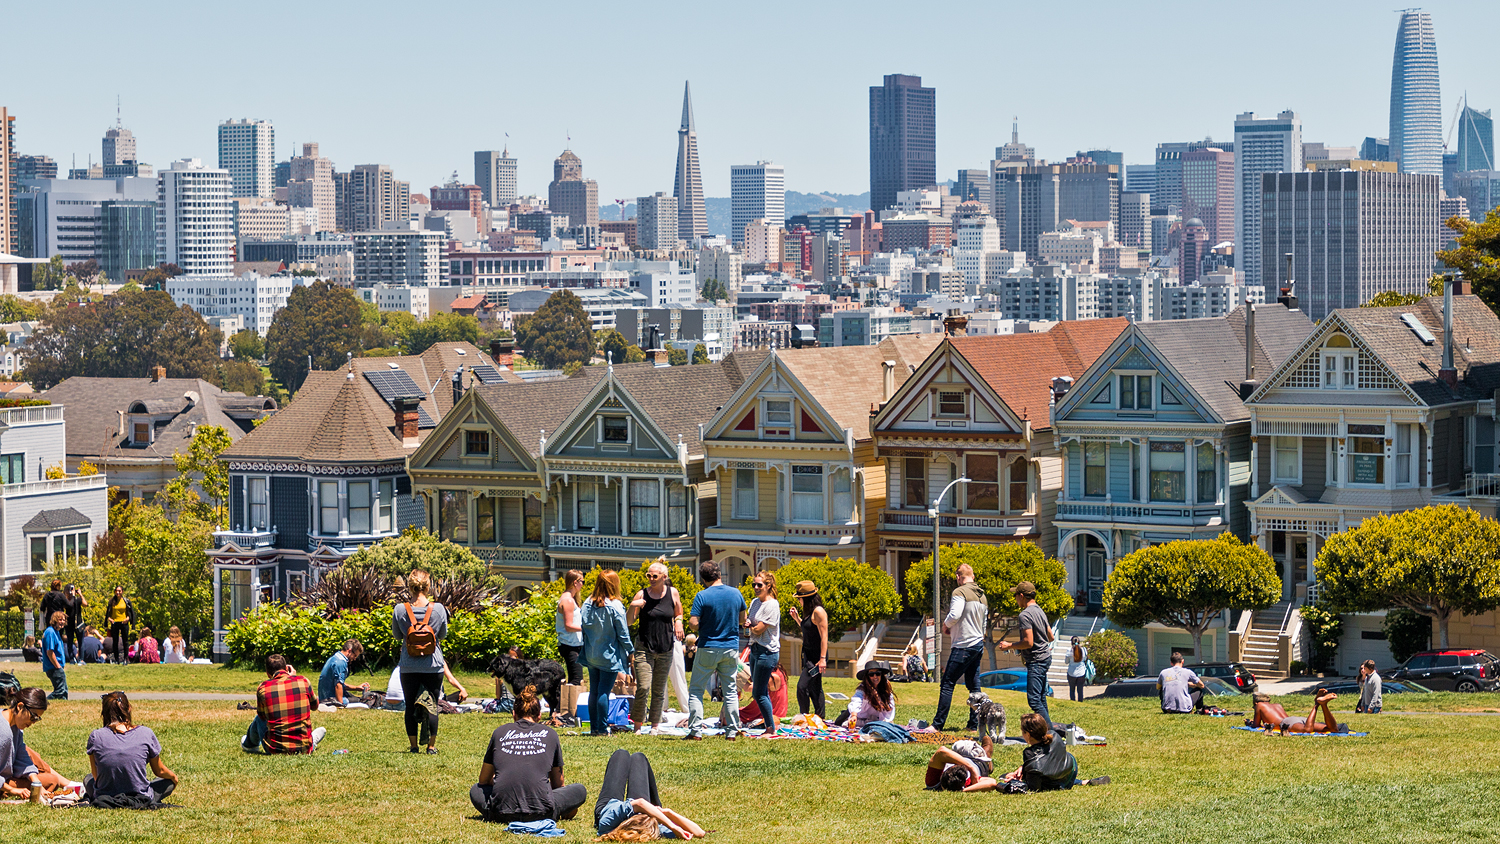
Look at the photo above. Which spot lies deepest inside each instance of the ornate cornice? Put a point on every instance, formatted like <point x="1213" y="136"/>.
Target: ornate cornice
<point x="271" y="466"/>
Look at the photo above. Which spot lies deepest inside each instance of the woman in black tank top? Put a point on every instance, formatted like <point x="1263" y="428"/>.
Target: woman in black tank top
<point x="814" y="648"/>
<point x="660" y="619"/>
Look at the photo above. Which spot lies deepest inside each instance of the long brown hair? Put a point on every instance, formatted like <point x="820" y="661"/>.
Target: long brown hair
<point x="606" y="587"/>
<point x="115" y="709"/>
<point x="638" y="827"/>
<point x="877" y="689"/>
<point x="770" y="580"/>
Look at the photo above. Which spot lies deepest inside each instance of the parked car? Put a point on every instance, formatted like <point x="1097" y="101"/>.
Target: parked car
<point x="1451" y="669"/>
<point x="1218" y="687"/>
<point x="1146" y="687"/>
<point x="1231" y="672"/>
<point x="1351" y="687"/>
<point x="1008" y="680"/>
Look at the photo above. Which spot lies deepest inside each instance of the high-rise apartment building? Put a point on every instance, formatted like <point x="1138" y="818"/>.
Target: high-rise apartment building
<point x="194" y="221"/>
<point x="1168" y="173"/>
<point x="34" y="167"/>
<point x="118" y="146"/>
<point x="722" y="264"/>
<point x="1208" y="191"/>
<point x="903" y="138"/>
<point x="687" y="187"/>
<point x="972" y="185"/>
<point x="1031" y="200"/>
<point x="7" y="182"/>
<point x="1416" y="100"/>
<point x="1140" y="178"/>
<point x="656" y="221"/>
<point x="495" y="174"/>
<point x="1476" y="139"/>
<point x="1351" y="233"/>
<point x="371" y="197"/>
<point x="1481" y="189"/>
<point x="1270" y="145"/>
<point x="756" y="192"/>
<point x="1135" y="219"/>
<point x="762" y="243"/>
<point x="570" y="193"/>
<point x="310" y="185"/>
<point x="403" y="256"/>
<point x="247" y="151"/>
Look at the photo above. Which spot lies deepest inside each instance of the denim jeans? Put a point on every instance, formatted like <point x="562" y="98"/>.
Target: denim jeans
<point x="601" y="682"/>
<point x="962" y="663"/>
<point x="256" y="734"/>
<point x="762" y="665"/>
<point x="1036" y="683"/>
<point x="710" y="662"/>
<point x="59" y="678"/>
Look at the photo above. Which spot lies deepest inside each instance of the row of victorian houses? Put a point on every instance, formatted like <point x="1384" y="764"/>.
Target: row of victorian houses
<point x="1092" y="440"/>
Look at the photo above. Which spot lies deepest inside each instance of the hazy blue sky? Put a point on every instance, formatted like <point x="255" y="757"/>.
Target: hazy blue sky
<point x="420" y="86"/>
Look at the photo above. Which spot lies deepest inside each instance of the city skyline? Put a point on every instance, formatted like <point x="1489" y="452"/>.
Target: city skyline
<point x="629" y="145"/>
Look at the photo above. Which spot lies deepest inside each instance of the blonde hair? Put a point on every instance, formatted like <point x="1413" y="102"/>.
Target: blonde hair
<point x="639" y="827"/>
<point x="174" y="633"/>
<point x="770" y="579"/>
<point x="418" y="583"/>
<point x="606" y="587"/>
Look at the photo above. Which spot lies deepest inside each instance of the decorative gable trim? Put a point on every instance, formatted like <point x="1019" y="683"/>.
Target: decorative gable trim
<point x="608" y="394"/>
<point x="771" y="376"/>
<point x="1303" y="370"/>
<point x="1131" y="350"/>
<point x="469" y="411"/>
<point x="946" y="369"/>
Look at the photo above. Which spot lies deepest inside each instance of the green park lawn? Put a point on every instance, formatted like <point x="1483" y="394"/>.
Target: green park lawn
<point x="1418" y="778"/>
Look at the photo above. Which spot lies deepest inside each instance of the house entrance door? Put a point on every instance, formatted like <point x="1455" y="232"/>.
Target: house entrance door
<point x="1094" y="568"/>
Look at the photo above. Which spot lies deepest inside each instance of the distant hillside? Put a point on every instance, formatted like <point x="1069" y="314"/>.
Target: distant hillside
<point x="717" y="207"/>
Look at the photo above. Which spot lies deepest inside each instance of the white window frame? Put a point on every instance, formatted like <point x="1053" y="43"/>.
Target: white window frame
<point x="841" y="514"/>
<point x="937" y="404"/>
<point x="385" y="506"/>
<point x="1002" y="489"/>
<point x="791" y="417"/>
<point x="1350" y="454"/>
<point x="631" y="506"/>
<point x="751" y="512"/>
<point x="629" y="430"/>
<point x="906" y="502"/>
<point x="371" y="492"/>
<point x="250" y="505"/>
<point x="322" y="507"/>
<point x="578" y="502"/>
<point x="1294" y="480"/>
<point x="1009" y="465"/>
<point x="793" y="493"/>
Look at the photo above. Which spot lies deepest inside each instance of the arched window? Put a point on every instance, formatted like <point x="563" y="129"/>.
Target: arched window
<point x="1019" y="498"/>
<point x="1340" y="363"/>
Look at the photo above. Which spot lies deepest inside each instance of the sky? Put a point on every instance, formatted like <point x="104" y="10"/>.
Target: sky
<point x="422" y="86"/>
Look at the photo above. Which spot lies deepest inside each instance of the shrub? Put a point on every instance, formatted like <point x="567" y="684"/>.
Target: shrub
<point x="418" y="549"/>
<point x="1113" y="654"/>
<point x="1406" y="632"/>
<point x="1324" y="627"/>
<point x="853" y="593"/>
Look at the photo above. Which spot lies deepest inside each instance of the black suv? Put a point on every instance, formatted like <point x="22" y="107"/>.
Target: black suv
<point x="1451" y="669"/>
<point x="1233" y="673"/>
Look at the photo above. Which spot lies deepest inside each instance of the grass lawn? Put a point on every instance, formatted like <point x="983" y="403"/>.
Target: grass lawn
<point x="1419" y="778"/>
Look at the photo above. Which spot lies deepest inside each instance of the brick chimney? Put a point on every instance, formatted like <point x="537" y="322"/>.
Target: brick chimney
<point x="406" y="417"/>
<point x="660" y="357"/>
<point x="502" y="352"/>
<point x="158" y="373"/>
<point x="955" y="323"/>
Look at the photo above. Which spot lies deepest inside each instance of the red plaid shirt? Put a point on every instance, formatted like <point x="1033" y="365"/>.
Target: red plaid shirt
<point x="287" y="701"/>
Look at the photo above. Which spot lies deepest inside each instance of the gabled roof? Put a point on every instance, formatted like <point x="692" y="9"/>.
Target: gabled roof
<point x="1020" y="367"/>
<point x="47" y="521"/>
<point x="94" y="406"/>
<point x="846" y="380"/>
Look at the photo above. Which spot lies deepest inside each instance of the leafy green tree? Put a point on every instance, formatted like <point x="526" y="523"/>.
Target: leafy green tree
<point x="635" y="354"/>
<point x="572" y="368"/>
<point x="1406" y="632"/>
<point x="321" y="320"/>
<point x="85" y="272"/>
<point x="440" y="328"/>
<point x="1436" y="561"/>
<point x="633" y="580"/>
<point x="1392" y="299"/>
<point x="676" y="356"/>
<point x="418" y="549"/>
<point x="997" y="569"/>
<point x="1324" y="627"/>
<point x="247" y="345"/>
<point x="853" y="593"/>
<point x="1189" y="582"/>
<point x="199" y="466"/>
<point x="700" y="354"/>
<point x="612" y="345"/>
<point x="15" y="309"/>
<point x="1113" y="654"/>
<point x="49" y="276"/>
<point x="1476" y="254"/>
<point x="121" y="336"/>
<point x="559" y="331"/>
<point x="714" y="290"/>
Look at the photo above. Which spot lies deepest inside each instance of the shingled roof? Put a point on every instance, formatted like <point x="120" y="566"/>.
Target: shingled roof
<point x="1020" y="367"/>
<point x="1476" y="346"/>
<point x="94" y="405"/>
<point x="846" y="380"/>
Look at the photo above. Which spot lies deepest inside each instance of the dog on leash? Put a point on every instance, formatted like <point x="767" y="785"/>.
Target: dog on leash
<point x="546" y="675"/>
<point x="990" y="715"/>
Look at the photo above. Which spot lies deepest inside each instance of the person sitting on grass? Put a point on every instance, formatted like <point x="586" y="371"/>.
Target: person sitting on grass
<point x="119" y="753"/>
<point x="146" y="650"/>
<point x="1273" y="716"/>
<point x="966" y="766"/>
<point x="17" y="770"/>
<point x="639" y="816"/>
<point x="30" y="650"/>
<point x="284" y="705"/>
<point x="333" y="685"/>
<point x="528" y="759"/>
<point x="873" y="700"/>
<point x="174" y="648"/>
<point x="1046" y="764"/>
<point x="90" y="649"/>
<point x="1181" y="689"/>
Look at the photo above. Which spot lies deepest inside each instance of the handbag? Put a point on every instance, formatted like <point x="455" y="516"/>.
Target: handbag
<point x="1088" y="670"/>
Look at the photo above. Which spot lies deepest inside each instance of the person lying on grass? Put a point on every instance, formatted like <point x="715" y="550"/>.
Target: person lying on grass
<point x="640" y="816"/>
<point x="966" y="766"/>
<point x="1046" y="764"/>
<point x="1273" y="716"/>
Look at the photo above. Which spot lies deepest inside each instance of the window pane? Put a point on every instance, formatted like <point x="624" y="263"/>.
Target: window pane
<point x="1019" y="489"/>
<point x="1127" y="391"/>
<point x="485" y="507"/>
<point x="645" y="504"/>
<point x="588" y="506"/>
<point x="477" y="442"/>
<point x="914" y="482"/>
<point x="745" y="505"/>
<point x="387" y="507"/>
<point x="1143" y="392"/>
<point x="38" y="553"/>
<point x="778" y="413"/>
<point x="616" y="429"/>
<point x="951" y="403"/>
<point x="843" y="497"/>
<point x="1093" y="468"/>
<point x="1287" y="466"/>
<point x="258" y="508"/>
<point x="1168" y="464"/>
<point x="1367" y="463"/>
<point x="359" y="507"/>
<point x="328" y="506"/>
<point x="533" y="519"/>
<point x="453" y="515"/>
<point x="1207" y="476"/>
<point x="983" y="489"/>
<point x="676" y="508"/>
<point x="807" y="493"/>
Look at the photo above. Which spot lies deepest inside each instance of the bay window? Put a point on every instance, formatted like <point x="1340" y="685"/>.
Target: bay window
<point x="1208" y="476"/>
<point x="588" y="506"/>
<point x="1286" y="460"/>
<point x="484" y="512"/>
<point x="1020" y="487"/>
<point x="259" y="504"/>
<point x="453" y="515"/>
<point x="1168" y="467"/>
<point x="328" y="507"/>
<point x="983" y="489"/>
<point x="1095" y="472"/>
<point x="807" y="494"/>
<point x="645" y="506"/>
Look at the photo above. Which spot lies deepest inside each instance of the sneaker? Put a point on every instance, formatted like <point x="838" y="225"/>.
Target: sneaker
<point x="248" y="749"/>
<point x="317" y="736"/>
<point x="1104" y="780"/>
<point x="432" y="751"/>
<point x="693" y="737"/>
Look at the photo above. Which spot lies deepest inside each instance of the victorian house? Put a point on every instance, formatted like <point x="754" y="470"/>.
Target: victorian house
<point x="978" y="408"/>
<point x="327" y="474"/>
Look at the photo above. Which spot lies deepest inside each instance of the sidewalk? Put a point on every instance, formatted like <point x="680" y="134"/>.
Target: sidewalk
<point x="76" y="694"/>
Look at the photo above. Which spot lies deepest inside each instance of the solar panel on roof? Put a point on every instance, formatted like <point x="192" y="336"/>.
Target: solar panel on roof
<point x="487" y="374"/>
<point x="395" y="383"/>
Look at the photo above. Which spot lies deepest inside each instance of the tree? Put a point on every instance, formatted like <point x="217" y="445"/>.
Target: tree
<point x="559" y="331"/>
<point x="714" y="290"/>
<point x="635" y="354"/>
<point x="200" y="465"/>
<point x="15" y="309"/>
<point x="853" y="593"/>
<point x="700" y="354"/>
<point x="1436" y="561"/>
<point x="440" y="328"/>
<point x="49" y="276"/>
<point x="1406" y="632"/>
<point x="572" y="368"/>
<point x="321" y="320"/>
<point x="997" y="569"/>
<point x="1187" y="584"/>
<point x="247" y="345"/>
<point x="418" y="549"/>
<point x="1113" y="654"/>
<point x="676" y="356"/>
<point x="238" y="376"/>
<point x="122" y="336"/>
<point x="84" y="272"/>
<point x="612" y="345"/>
<point x="1477" y="255"/>
<point x="156" y="277"/>
<point x="1392" y="299"/>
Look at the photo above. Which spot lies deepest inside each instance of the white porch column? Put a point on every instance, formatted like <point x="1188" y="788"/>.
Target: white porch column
<point x="661" y="507"/>
<point x="1254" y="467"/>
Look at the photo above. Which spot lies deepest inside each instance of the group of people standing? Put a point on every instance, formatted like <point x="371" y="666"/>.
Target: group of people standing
<point x="968" y="620"/>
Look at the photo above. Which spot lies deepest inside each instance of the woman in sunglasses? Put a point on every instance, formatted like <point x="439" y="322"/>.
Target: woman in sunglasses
<point x="765" y="644"/>
<point x="18" y="774"/>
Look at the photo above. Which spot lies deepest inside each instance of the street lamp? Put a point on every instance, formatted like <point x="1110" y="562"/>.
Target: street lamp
<point x="937" y="599"/>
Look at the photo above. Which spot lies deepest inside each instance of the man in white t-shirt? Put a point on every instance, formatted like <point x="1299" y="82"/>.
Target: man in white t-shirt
<point x="1177" y="684"/>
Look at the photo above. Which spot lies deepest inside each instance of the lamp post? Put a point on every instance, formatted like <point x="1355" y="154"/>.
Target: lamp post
<point x="937" y="578"/>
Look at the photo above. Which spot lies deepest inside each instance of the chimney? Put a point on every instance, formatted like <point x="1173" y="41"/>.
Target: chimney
<point x="887" y="380"/>
<point x="1248" y="385"/>
<point x="458" y="384"/>
<point x="660" y="357"/>
<point x="1060" y="387"/>
<point x="1288" y="297"/>
<point x="955" y="323"/>
<point x="1448" y="374"/>
<point x="158" y="373"/>
<point x="502" y="352"/>
<point x="406" y="418"/>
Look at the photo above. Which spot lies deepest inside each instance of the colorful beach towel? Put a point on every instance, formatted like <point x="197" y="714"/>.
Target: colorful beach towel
<point x="1271" y="732"/>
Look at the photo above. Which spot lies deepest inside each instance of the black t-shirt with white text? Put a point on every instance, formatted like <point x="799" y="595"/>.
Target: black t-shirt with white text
<point x="524" y="755"/>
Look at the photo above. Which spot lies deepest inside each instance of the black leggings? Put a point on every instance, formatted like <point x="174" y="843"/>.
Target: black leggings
<point x="570" y="655"/>
<point x="810" y="689"/>
<point x="412" y="686"/>
<point x="565" y="803"/>
<point x="627" y="776"/>
<point x="120" y="632"/>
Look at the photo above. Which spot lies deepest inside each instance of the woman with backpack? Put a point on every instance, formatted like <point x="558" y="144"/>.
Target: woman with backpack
<point x="420" y="624"/>
<point x="1078" y="669"/>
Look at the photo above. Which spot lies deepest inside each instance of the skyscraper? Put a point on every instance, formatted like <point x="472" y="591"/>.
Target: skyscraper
<point x="247" y="151"/>
<point x="495" y="173"/>
<point x="372" y="196"/>
<point x="310" y="185"/>
<point x="1168" y="189"/>
<point x="194" y="222"/>
<point x="656" y="220"/>
<point x="756" y="192"/>
<point x="692" y="217"/>
<point x="119" y="146"/>
<point x="7" y="186"/>
<point x="1272" y="145"/>
<point x="903" y="138"/>
<point x="1476" y="140"/>
<point x="1416" y="102"/>
<point x="571" y="194"/>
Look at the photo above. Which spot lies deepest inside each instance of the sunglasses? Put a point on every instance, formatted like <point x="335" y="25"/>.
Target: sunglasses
<point x="35" y="715"/>
<point x="760" y="586"/>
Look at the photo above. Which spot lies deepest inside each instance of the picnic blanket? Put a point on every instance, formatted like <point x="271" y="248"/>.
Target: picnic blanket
<point x="1271" y="732"/>
<point x="545" y="829"/>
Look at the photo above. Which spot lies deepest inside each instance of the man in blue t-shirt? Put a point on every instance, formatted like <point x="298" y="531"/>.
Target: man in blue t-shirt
<point x="332" y="682"/>
<point x="718" y="614"/>
<point x="55" y="655"/>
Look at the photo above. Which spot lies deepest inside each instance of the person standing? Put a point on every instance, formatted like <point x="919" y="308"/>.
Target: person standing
<point x="765" y="645"/>
<point x="1078" y="669"/>
<point x="606" y="647"/>
<point x="1369" y="688"/>
<point x="659" y="608"/>
<point x="73" y="604"/>
<point x="420" y="625"/>
<point x="333" y="680"/>
<point x="119" y="614"/>
<point x="569" y="625"/>
<point x="814" y="648"/>
<point x="968" y="614"/>
<point x="1035" y="647"/>
<point x="54" y="601"/>
<point x="55" y="656"/>
<point x="717" y="614"/>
